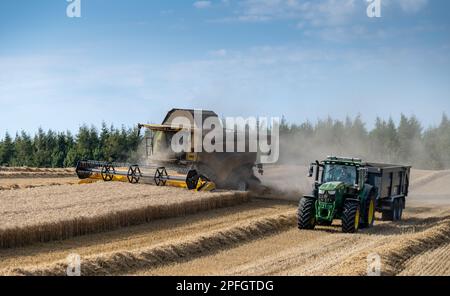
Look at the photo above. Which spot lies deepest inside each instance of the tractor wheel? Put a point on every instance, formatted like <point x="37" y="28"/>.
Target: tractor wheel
<point x="369" y="214"/>
<point x="306" y="214"/>
<point x="351" y="217"/>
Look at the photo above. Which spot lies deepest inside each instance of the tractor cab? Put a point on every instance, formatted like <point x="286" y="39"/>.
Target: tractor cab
<point x="347" y="172"/>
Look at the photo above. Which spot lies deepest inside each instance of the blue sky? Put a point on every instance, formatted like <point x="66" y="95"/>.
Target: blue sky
<point x="131" y="61"/>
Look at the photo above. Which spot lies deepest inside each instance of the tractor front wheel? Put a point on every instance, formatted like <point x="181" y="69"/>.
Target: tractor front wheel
<point x="307" y="214"/>
<point x="350" y="217"/>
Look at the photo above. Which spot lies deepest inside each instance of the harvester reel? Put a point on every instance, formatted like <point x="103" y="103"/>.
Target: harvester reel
<point x="108" y="172"/>
<point x="161" y="176"/>
<point x="134" y="174"/>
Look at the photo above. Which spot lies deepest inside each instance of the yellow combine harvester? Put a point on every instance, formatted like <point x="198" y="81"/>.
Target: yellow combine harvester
<point x="228" y="170"/>
<point x="203" y="171"/>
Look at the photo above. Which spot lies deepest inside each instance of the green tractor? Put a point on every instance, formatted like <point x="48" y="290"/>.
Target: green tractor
<point x="352" y="191"/>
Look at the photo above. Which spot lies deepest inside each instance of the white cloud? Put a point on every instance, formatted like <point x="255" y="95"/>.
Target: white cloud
<point x="219" y="53"/>
<point x="412" y="6"/>
<point x="202" y="4"/>
<point x="315" y="12"/>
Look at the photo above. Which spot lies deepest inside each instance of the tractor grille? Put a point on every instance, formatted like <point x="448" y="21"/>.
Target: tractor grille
<point x="328" y="198"/>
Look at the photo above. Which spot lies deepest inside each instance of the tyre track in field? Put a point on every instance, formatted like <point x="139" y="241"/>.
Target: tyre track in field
<point x="432" y="262"/>
<point x="401" y="251"/>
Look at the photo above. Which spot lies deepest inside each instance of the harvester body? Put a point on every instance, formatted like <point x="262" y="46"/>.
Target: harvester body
<point x="227" y="169"/>
<point x="352" y="191"/>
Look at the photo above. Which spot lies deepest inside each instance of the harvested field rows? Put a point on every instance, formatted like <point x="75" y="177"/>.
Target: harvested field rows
<point x="174" y="239"/>
<point x="432" y="262"/>
<point x="257" y="237"/>
<point x="54" y="213"/>
<point x="325" y="251"/>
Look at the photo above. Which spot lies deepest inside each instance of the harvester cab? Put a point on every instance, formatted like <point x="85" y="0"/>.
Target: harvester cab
<point x="352" y="191"/>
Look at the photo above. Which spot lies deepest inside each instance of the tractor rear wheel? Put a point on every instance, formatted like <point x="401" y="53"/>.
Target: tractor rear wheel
<point x="369" y="212"/>
<point x="306" y="214"/>
<point x="351" y="217"/>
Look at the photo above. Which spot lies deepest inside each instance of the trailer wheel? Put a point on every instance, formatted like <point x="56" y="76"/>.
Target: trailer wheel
<point x="387" y="215"/>
<point x="401" y="205"/>
<point x="306" y="214"/>
<point x="351" y="217"/>
<point x="395" y="214"/>
<point x="368" y="219"/>
<point x="398" y="210"/>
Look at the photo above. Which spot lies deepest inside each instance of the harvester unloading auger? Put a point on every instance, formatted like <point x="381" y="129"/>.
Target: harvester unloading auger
<point x="133" y="173"/>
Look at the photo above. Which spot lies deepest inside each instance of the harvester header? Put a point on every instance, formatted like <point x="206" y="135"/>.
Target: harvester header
<point x="89" y="171"/>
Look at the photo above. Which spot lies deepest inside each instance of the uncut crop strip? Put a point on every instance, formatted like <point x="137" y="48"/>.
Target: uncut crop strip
<point x="61" y="230"/>
<point x="164" y="254"/>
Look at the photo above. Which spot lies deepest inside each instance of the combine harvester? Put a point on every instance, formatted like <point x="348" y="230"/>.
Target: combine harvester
<point x="352" y="190"/>
<point x="203" y="171"/>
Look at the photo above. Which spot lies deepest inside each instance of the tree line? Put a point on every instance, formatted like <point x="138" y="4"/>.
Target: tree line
<point x="404" y="143"/>
<point x="62" y="149"/>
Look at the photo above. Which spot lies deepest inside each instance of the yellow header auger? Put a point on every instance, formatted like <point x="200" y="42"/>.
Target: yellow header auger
<point x="90" y="171"/>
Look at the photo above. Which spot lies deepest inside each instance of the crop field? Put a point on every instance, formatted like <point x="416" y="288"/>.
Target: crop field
<point x="123" y="229"/>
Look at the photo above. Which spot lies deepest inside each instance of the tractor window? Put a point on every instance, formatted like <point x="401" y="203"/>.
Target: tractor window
<point x="339" y="173"/>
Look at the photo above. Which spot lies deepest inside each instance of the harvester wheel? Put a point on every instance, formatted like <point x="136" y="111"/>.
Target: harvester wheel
<point x="368" y="219"/>
<point x="350" y="217"/>
<point x="242" y="186"/>
<point x="243" y="179"/>
<point x="306" y="214"/>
